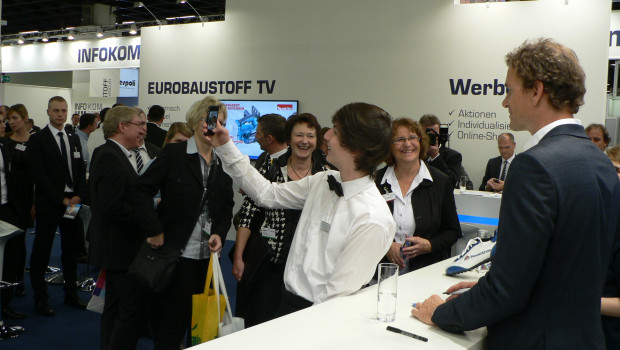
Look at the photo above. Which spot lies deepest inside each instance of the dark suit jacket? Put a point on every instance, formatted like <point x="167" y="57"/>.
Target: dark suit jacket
<point x="179" y="177"/>
<point x="449" y="161"/>
<point x="494" y="165"/>
<point x="49" y="170"/>
<point x="113" y="229"/>
<point x="20" y="186"/>
<point x="554" y="243"/>
<point x="151" y="149"/>
<point x="155" y="135"/>
<point x="434" y="213"/>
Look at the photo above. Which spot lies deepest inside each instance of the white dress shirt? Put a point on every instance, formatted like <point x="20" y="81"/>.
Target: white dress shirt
<point x="403" y="210"/>
<point x="338" y="241"/>
<point x="533" y="141"/>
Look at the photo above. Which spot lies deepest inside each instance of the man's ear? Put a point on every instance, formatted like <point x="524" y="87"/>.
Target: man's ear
<point x="537" y="91"/>
<point x="270" y="139"/>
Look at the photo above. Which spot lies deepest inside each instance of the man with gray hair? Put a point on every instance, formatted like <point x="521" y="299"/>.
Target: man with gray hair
<point x="497" y="168"/>
<point x="113" y="229"/>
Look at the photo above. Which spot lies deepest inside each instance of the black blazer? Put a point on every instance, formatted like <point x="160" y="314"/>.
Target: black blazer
<point x="434" y="213"/>
<point x="494" y="165"/>
<point x="152" y="150"/>
<point x="554" y="243"/>
<point x="20" y="186"/>
<point x="155" y="135"/>
<point x="49" y="170"/>
<point x="178" y="176"/>
<point x="113" y="229"/>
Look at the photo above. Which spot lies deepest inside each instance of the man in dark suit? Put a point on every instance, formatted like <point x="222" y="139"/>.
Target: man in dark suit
<point x="113" y="229"/>
<point x="440" y="156"/>
<point x="544" y="288"/>
<point x="497" y="168"/>
<point x="58" y="171"/>
<point x="154" y="133"/>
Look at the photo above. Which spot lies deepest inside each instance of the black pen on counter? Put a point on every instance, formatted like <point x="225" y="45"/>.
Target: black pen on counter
<point x="414" y="336"/>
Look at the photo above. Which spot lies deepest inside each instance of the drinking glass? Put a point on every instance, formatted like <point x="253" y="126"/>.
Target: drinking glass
<point x="386" y="292"/>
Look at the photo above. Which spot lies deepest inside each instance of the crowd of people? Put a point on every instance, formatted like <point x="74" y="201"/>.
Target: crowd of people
<point x="141" y="183"/>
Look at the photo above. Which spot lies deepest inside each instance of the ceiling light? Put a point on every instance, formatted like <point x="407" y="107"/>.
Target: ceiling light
<point x="138" y="4"/>
<point x="20" y="40"/>
<point x="45" y="39"/>
<point x="180" y="1"/>
<point x="71" y="35"/>
<point x="134" y="30"/>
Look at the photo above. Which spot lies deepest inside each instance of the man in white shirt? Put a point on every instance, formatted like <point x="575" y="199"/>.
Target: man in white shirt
<point x="497" y="168"/>
<point x="331" y="255"/>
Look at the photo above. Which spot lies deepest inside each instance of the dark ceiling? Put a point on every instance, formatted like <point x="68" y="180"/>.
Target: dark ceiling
<point x="46" y="15"/>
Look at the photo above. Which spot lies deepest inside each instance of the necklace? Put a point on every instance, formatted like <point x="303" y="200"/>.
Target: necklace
<point x="291" y="164"/>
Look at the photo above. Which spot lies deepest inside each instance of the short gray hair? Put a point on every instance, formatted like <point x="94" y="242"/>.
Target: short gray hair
<point x="115" y="116"/>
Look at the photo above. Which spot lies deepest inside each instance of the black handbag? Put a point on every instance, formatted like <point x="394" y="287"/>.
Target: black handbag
<point x="154" y="267"/>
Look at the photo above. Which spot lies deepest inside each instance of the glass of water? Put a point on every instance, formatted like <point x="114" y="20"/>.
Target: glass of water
<point x="463" y="183"/>
<point x="386" y="292"/>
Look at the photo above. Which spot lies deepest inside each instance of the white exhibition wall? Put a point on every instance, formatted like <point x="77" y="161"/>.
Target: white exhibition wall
<point x="401" y="55"/>
<point x="35" y="99"/>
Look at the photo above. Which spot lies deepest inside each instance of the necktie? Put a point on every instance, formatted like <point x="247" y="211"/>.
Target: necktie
<point x="139" y="163"/>
<point x="503" y="175"/>
<point x="65" y="158"/>
<point x="334" y="185"/>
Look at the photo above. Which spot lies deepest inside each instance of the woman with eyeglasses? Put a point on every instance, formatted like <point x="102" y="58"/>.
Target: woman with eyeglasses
<point x="420" y="198"/>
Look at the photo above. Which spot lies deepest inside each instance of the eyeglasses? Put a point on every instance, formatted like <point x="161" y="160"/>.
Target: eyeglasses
<point x="140" y="124"/>
<point x="401" y="140"/>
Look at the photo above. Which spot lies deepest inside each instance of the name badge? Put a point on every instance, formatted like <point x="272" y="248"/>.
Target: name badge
<point x="268" y="232"/>
<point x="20" y="147"/>
<point x="390" y="196"/>
<point x="325" y="226"/>
<point x="207" y="228"/>
<point x="77" y="155"/>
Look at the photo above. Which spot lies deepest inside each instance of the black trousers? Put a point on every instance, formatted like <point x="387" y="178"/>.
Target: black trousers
<point x="14" y="255"/>
<point x="175" y="315"/>
<point x="46" y="225"/>
<point x="292" y="303"/>
<point x="123" y="312"/>
<point x="260" y="303"/>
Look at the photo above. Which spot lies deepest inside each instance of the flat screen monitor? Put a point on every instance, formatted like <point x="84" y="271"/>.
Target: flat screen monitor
<point x="243" y="119"/>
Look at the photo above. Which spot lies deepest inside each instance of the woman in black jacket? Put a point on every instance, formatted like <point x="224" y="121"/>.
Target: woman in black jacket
<point x="194" y="215"/>
<point x="421" y="200"/>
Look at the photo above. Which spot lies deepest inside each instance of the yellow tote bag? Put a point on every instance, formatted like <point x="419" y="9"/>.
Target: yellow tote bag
<point x="205" y="318"/>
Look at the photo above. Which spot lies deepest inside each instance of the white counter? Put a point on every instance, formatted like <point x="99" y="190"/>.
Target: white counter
<point x="350" y="322"/>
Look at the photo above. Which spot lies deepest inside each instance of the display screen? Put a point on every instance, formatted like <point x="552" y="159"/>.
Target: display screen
<point x="243" y="119"/>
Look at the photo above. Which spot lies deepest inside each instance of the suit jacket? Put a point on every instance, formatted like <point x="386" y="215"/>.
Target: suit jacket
<point x="113" y="229"/>
<point x="151" y="149"/>
<point x="494" y="165"/>
<point x="449" y="161"/>
<point x="49" y="171"/>
<point x="434" y="213"/>
<point x="179" y="177"/>
<point x="155" y="134"/>
<point x="553" y="247"/>
<point x="19" y="183"/>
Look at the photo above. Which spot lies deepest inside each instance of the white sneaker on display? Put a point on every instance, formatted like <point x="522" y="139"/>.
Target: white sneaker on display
<point x="476" y="253"/>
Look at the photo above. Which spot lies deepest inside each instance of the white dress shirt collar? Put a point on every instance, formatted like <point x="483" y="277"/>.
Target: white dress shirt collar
<point x="125" y="150"/>
<point x="535" y="139"/>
